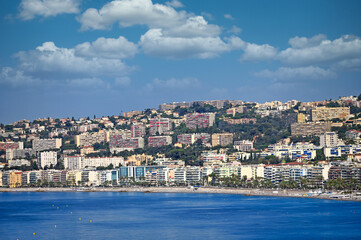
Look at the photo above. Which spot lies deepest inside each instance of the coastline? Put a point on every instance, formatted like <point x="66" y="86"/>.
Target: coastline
<point x="202" y="190"/>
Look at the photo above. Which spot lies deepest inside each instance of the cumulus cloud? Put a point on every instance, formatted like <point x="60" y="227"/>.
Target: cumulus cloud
<point x="303" y="42"/>
<point x="51" y="64"/>
<point x="107" y="48"/>
<point x="228" y="16"/>
<point x="15" y="77"/>
<point x="131" y="12"/>
<point x="294" y="74"/>
<point x="194" y="27"/>
<point x="154" y="43"/>
<point x="144" y="12"/>
<point x="254" y="52"/>
<point x="321" y="51"/>
<point x="175" y="4"/>
<point x="29" y="9"/>
<point x="52" y="61"/>
<point x="173" y="83"/>
<point x="315" y="51"/>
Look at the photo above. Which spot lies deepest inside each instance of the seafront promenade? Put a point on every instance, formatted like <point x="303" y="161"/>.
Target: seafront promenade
<point x="331" y="195"/>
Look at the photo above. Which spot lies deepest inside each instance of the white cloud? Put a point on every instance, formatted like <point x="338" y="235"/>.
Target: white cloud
<point x="228" y="16"/>
<point x="173" y="83"/>
<point x="194" y="27"/>
<point x="154" y="43"/>
<point x="294" y="74"/>
<point x="175" y="4"/>
<point x="303" y="42"/>
<point x="53" y="61"/>
<point x="143" y="12"/>
<point x="107" y="48"/>
<point x="53" y="65"/>
<point x="15" y="77"/>
<point x="235" y="30"/>
<point x="343" y="53"/>
<point x="29" y="9"/>
<point x="132" y="12"/>
<point x="321" y="51"/>
<point x="254" y="52"/>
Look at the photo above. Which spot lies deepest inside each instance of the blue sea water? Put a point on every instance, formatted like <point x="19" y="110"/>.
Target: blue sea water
<point x="110" y="215"/>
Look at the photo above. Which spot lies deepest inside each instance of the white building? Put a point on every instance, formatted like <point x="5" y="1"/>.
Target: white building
<point x="47" y="144"/>
<point x="244" y="145"/>
<point x="330" y="139"/>
<point x="47" y="159"/>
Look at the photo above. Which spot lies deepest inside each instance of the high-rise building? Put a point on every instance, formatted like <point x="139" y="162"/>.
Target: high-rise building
<point x="11" y="145"/>
<point x="47" y="144"/>
<point x="159" y="125"/>
<point x="159" y="141"/>
<point x="329" y="113"/>
<point x="200" y="120"/>
<point x="118" y="143"/>
<point x="47" y="159"/>
<point x="138" y="130"/>
<point x="310" y="128"/>
<point x="190" y="138"/>
<point x="222" y="139"/>
<point x="330" y="139"/>
<point x="88" y="139"/>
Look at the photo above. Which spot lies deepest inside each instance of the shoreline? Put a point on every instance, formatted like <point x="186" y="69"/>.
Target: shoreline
<point x="202" y="190"/>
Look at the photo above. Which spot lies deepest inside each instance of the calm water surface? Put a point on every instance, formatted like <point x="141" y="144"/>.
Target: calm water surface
<point x="103" y="215"/>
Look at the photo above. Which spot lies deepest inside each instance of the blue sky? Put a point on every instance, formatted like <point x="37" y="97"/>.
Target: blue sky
<point x="64" y="58"/>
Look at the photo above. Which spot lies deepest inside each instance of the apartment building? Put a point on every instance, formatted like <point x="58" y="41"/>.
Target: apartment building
<point x="88" y="139"/>
<point x="138" y="130"/>
<point x="243" y="145"/>
<point x="234" y="110"/>
<point x="330" y="139"/>
<point x="159" y="125"/>
<point x="327" y="113"/>
<point x="15" y="179"/>
<point x="47" y="144"/>
<point x="132" y="114"/>
<point x="222" y="139"/>
<point x="240" y="121"/>
<point x="171" y="106"/>
<point x="190" y="138"/>
<point x="11" y="145"/>
<point x="118" y="143"/>
<point x="19" y="153"/>
<point x="200" y="120"/>
<point x="47" y="158"/>
<point x="87" y="127"/>
<point x="80" y="162"/>
<point x="159" y="141"/>
<point x="310" y="128"/>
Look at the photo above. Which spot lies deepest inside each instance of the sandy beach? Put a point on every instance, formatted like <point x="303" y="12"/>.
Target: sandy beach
<point x="203" y="190"/>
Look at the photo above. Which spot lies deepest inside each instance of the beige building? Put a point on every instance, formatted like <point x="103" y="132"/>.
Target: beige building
<point x="88" y="139"/>
<point x="15" y="179"/>
<point x="301" y="118"/>
<point x="137" y="160"/>
<point x="310" y="128"/>
<point x="325" y="113"/>
<point x="222" y="139"/>
<point x="73" y="177"/>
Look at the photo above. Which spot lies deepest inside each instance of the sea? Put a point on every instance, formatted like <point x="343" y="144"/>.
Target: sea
<point x="122" y="215"/>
